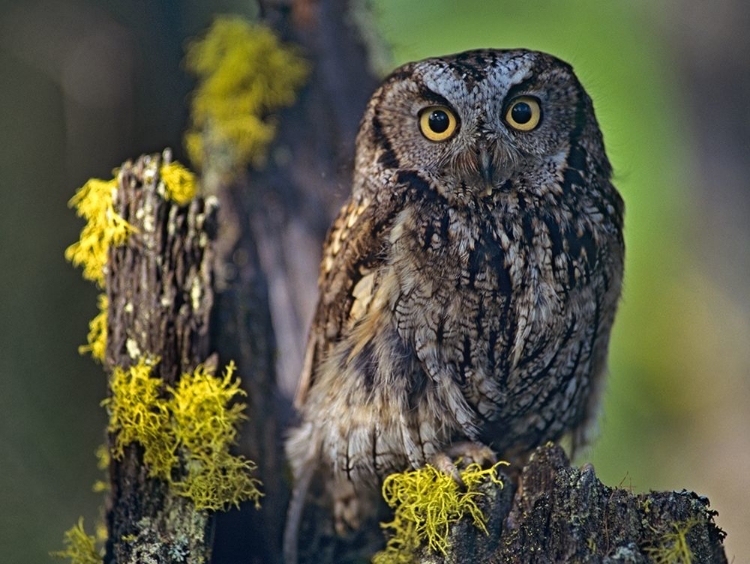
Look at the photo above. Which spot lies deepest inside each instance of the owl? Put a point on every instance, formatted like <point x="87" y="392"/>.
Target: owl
<point x="469" y="285"/>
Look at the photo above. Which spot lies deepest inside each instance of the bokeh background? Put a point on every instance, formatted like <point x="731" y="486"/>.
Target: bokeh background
<point x="85" y="85"/>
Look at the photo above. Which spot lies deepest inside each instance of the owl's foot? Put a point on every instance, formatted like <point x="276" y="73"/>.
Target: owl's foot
<point x="467" y="453"/>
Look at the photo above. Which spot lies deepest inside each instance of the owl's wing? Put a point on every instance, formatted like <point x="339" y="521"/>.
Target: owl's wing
<point x="352" y="251"/>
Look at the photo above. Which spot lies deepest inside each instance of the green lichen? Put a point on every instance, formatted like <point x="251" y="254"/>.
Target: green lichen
<point x="245" y="74"/>
<point x="177" y="534"/>
<point x="189" y="427"/>
<point x="673" y="547"/>
<point x="80" y="548"/>
<point x="426" y="502"/>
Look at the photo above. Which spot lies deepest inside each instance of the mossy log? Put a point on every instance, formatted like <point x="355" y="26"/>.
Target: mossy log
<point x="159" y="287"/>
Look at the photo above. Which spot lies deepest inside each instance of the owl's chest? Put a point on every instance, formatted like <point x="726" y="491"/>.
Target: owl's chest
<point x="486" y="289"/>
<point x="458" y="259"/>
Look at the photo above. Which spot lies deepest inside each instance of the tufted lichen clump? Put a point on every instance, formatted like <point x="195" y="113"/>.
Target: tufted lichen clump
<point x="180" y="184"/>
<point x="80" y="548"/>
<point x="244" y="74"/>
<point x="426" y="502"/>
<point x="191" y="426"/>
<point x="97" y="335"/>
<point x="104" y="227"/>
<point x="674" y="547"/>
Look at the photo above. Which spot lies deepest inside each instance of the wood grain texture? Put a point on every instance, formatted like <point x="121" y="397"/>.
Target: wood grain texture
<point x="160" y="294"/>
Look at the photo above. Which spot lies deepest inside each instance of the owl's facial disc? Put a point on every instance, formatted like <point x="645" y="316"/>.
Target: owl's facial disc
<point x="494" y="153"/>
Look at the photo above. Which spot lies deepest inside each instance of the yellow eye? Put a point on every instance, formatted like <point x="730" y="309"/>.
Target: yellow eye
<point x="523" y="113"/>
<point x="437" y="123"/>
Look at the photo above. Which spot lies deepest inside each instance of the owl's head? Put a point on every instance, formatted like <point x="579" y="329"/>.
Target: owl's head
<point x="482" y="121"/>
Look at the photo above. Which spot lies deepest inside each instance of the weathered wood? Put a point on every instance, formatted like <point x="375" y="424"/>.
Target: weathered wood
<point x="159" y="287"/>
<point x="565" y="514"/>
<point x="558" y="514"/>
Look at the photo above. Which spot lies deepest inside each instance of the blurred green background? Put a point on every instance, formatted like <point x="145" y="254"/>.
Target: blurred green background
<point x="86" y="84"/>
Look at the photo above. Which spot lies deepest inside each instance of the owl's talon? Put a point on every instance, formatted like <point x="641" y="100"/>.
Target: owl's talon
<point x="465" y="453"/>
<point x="471" y="452"/>
<point x="445" y="464"/>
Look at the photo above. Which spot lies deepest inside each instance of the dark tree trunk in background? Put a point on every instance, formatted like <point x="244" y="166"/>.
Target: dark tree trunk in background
<point x="292" y="201"/>
<point x="269" y="245"/>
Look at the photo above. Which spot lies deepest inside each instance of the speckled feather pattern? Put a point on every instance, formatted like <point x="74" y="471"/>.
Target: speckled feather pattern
<point x="453" y="307"/>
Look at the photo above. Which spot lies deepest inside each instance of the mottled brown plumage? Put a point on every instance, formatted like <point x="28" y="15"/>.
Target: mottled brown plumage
<point x="469" y="285"/>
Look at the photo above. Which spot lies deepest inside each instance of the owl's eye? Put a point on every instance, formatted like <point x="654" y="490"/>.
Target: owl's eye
<point x="523" y="113"/>
<point x="437" y="123"/>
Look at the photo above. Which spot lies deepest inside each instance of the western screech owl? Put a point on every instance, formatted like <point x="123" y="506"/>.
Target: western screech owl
<point x="469" y="285"/>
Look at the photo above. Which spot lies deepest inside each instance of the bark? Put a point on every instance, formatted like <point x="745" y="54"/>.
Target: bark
<point x="549" y="513"/>
<point x="160" y="294"/>
<point x="242" y="331"/>
<point x="565" y="514"/>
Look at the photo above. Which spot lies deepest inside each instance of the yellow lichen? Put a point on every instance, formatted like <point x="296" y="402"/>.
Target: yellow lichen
<point x="80" y="548"/>
<point x="180" y="184"/>
<point x="102" y="463"/>
<point x="245" y="74"/>
<point x="104" y="227"/>
<point x="199" y="407"/>
<point x="674" y="547"/>
<point x="218" y="479"/>
<point x="100" y="532"/>
<point x="191" y="426"/>
<point x="102" y="457"/>
<point x="138" y="413"/>
<point x="205" y="426"/>
<point x="426" y="502"/>
<point x="97" y="337"/>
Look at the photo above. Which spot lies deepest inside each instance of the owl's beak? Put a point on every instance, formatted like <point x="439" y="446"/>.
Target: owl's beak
<point x="486" y="165"/>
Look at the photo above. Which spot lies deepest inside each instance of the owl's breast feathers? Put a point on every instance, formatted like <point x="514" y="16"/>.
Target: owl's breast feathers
<point x="469" y="286"/>
<point x="487" y="321"/>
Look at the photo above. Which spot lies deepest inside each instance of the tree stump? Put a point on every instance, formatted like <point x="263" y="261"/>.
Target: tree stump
<point x="565" y="514"/>
<point x="159" y="287"/>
